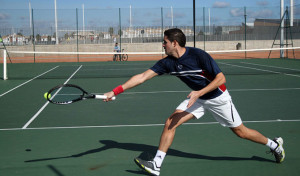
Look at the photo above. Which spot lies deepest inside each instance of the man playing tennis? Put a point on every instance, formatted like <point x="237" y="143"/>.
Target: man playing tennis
<point x="200" y="72"/>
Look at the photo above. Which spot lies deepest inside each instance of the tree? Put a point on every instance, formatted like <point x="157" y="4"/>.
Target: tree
<point x="111" y="31"/>
<point x="66" y="35"/>
<point x="38" y="37"/>
<point x="49" y="38"/>
<point x="201" y="33"/>
<point x="120" y="32"/>
<point x="101" y="35"/>
<point x="218" y="30"/>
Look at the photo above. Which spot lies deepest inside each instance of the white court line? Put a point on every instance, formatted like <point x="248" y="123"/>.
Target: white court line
<point x="45" y="105"/>
<point x="249" y="67"/>
<point x="276" y="67"/>
<point x="271" y="66"/>
<point x="141" y="125"/>
<point x="27" y="81"/>
<point x="259" y="69"/>
<point x="275" y="89"/>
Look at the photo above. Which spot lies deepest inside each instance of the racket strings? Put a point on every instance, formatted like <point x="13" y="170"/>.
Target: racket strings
<point x="67" y="94"/>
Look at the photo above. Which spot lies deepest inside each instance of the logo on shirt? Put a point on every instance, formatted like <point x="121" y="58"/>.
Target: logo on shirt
<point x="180" y="67"/>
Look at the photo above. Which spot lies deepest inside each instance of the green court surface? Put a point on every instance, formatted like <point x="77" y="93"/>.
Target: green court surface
<point x="96" y="138"/>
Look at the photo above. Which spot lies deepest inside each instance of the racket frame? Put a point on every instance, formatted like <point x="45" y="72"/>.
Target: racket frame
<point x="85" y="95"/>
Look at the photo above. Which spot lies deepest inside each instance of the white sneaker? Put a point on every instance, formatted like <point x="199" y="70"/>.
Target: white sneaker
<point x="279" y="151"/>
<point x="148" y="166"/>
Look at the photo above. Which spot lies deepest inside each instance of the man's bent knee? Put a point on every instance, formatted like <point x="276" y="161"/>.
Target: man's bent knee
<point x="240" y="131"/>
<point x="177" y="118"/>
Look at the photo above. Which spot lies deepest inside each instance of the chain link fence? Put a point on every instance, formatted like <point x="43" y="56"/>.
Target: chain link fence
<point x="241" y="25"/>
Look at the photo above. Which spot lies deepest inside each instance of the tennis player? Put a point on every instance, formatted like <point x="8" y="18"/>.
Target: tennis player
<point x="117" y="50"/>
<point x="199" y="71"/>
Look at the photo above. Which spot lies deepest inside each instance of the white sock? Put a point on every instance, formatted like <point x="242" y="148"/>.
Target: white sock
<point x="159" y="158"/>
<point x="271" y="144"/>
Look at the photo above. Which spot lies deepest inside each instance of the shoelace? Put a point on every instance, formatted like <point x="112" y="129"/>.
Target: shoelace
<point x="273" y="152"/>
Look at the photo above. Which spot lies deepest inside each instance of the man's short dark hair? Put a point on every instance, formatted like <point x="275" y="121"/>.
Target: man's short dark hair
<point x="176" y="34"/>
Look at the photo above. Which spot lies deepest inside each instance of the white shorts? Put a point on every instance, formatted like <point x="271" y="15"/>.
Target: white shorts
<point x="221" y="108"/>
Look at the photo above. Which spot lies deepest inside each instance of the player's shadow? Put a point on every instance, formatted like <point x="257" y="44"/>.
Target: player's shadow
<point x="145" y="154"/>
<point x="146" y="149"/>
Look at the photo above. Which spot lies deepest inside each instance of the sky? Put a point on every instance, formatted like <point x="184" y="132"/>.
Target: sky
<point x="92" y="4"/>
<point x="15" y="15"/>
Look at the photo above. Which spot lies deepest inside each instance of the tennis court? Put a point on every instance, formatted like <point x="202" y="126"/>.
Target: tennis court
<point x="97" y="138"/>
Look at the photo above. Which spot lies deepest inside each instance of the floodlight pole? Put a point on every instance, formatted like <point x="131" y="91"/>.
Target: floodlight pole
<point x="162" y="26"/>
<point x="56" y="34"/>
<point x="130" y="19"/>
<point x="282" y="28"/>
<point x="120" y="30"/>
<point x="33" y="37"/>
<point x="130" y="24"/>
<point x="245" y="16"/>
<point x="83" y="30"/>
<point x="30" y="16"/>
<point x="204" y="31"/>
<point x="77" y="33"/>
<point x="292" y="13"/>
<point x="194" y="21"/>
<point x="209" y="21"/>
<point x="172" y="22"/>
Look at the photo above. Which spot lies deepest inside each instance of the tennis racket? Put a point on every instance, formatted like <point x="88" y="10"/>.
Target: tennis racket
<point x="69" y="93"/>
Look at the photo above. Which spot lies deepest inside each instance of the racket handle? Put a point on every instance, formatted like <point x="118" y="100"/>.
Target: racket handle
<point x="103" y="97"/>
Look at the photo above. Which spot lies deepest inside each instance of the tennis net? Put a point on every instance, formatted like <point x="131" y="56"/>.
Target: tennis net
<point x="60" y="65"/>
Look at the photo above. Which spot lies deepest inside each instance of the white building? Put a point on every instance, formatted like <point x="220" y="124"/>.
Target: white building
<point x="14" y="39"/>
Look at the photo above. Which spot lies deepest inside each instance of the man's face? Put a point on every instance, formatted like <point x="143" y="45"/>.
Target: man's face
<point x="168" y="46"/>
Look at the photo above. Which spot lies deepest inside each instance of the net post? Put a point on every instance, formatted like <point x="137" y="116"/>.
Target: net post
<point x="4" y="65"/>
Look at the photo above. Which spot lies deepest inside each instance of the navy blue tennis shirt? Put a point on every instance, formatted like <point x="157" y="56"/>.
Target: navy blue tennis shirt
<point x="195" y="68"/>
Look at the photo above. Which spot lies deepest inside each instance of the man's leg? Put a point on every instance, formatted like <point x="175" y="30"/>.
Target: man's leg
<point x="253" y="135"/>
<point x="175" y="120"/>
<point x="226" y="114"/>
<point x="246" y="133"/>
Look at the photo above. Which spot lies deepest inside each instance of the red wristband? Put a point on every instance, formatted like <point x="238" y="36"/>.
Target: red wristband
<point x="118" y="90"/>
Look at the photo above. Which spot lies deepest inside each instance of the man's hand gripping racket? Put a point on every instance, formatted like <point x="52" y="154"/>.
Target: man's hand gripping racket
<point x="116" y="91"/>
<point x="69" y="93"/>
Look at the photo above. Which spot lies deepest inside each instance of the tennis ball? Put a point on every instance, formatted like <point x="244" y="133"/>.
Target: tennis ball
<point x="46" y="94"/>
